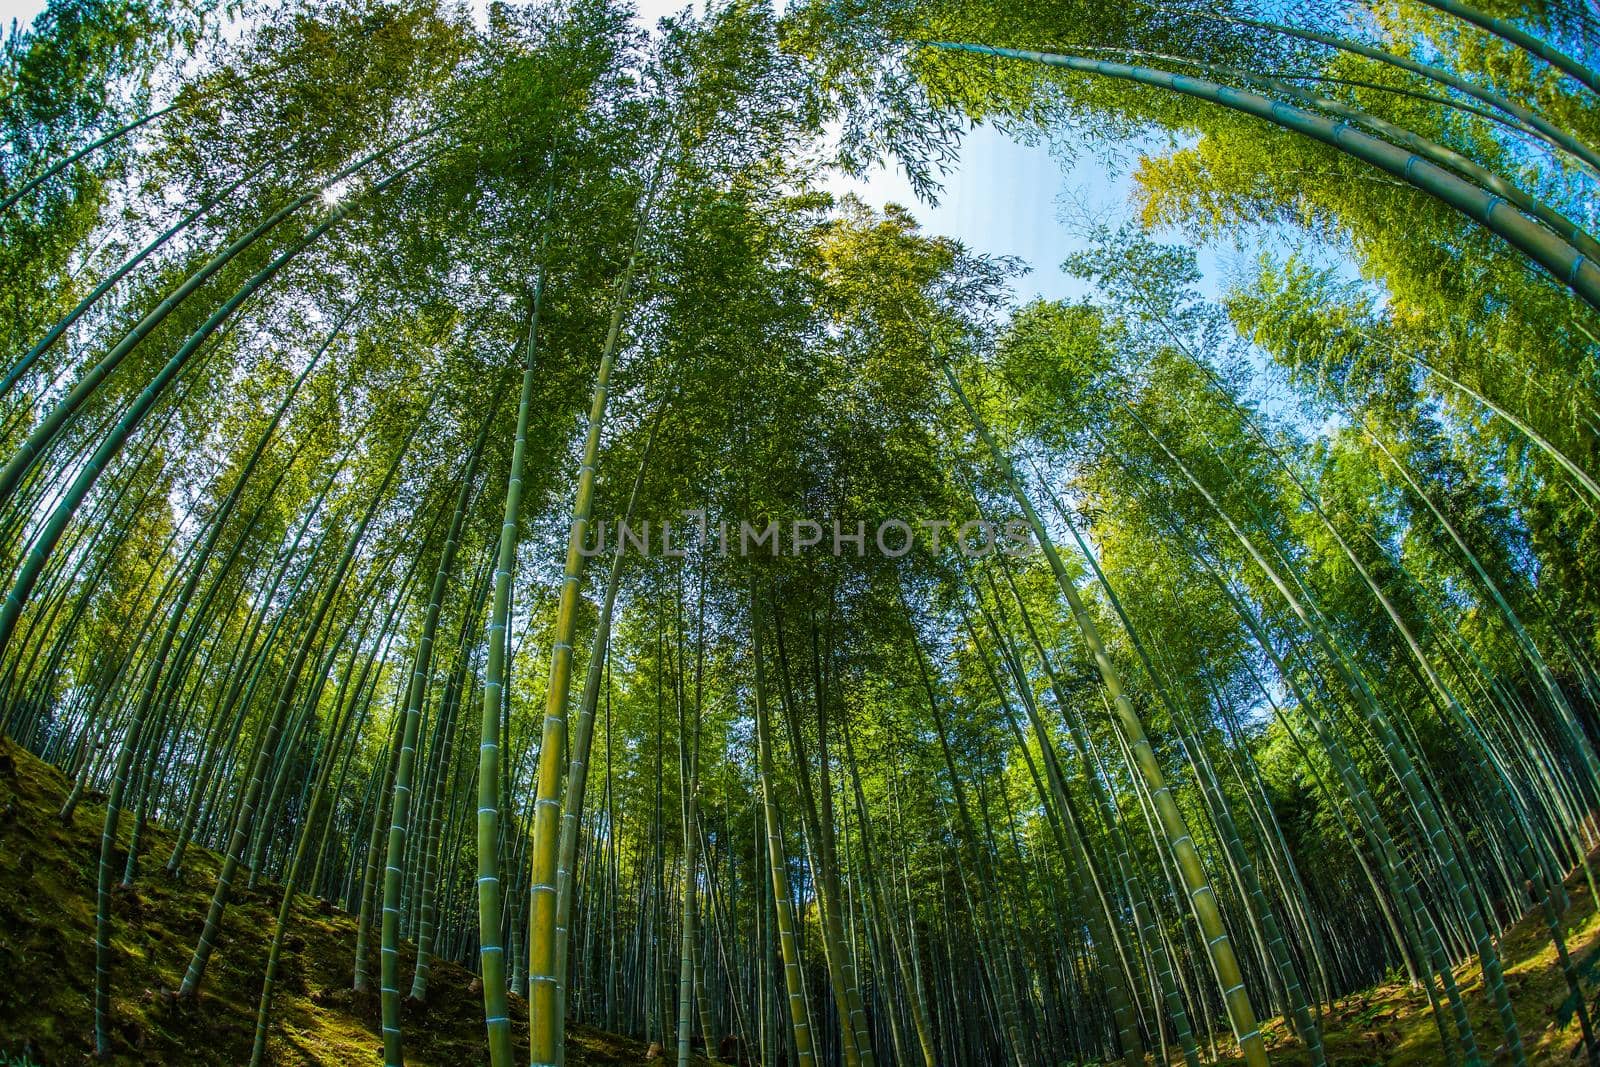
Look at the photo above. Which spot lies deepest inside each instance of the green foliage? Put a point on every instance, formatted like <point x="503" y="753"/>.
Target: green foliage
<point x="1317" y="520"/>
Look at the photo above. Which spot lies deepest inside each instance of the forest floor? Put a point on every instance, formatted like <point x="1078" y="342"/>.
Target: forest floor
<point x="47" y="892"/>
<point x="47" y="881"/>
<point x="1391" y="1025"/>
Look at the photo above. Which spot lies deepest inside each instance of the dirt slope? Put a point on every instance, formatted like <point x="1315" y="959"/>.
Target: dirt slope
<point x="47" y="885"/>
<point x="47" y="888"/>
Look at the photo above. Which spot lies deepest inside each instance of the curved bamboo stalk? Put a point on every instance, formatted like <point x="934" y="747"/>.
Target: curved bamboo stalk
<point x="48" y="428"/>
<point x="1510" y="31"/>
<point x="45" y="543"/>
<point x="1547" y="131"/>
<point x="1569" y="266"/>
<point x="95" y="145"/>
<point x="1433" y="151"/>
<point x="29" y="358"/>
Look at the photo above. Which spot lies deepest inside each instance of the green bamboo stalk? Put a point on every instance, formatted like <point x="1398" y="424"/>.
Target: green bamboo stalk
<point x="689" y="779"/>
<point x="428" y="924"/>
<point x="1569" y="266"/>
<point x="1394" y="748"/>
<point x="49" y="428"/>
<point x="100" y="142"/>
<point x="1202" y="900"/>
<point x="291" y="878"/>
<point x="1095" y="907"/>
<point x="1510" y="31"/>
<point x="112" y="443"/>
<point x="1543" y="128"/>
<point x="827" y="892"/>
<point x="910" y="979"/>
<point x="247" y="804"/>
<point x="491" y="953"/>
<point x="546" y="1022"/>
<point x="783" y="921"/>
<point x="400" y="815"/>
<point x="582" y="739"/>
<point x="29" y="358"/>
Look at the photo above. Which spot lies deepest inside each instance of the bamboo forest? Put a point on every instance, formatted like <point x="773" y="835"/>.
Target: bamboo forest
<point x="837" y="533"/>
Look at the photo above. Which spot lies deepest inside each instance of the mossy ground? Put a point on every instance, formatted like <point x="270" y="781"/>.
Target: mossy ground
<point x="47" y="889"/>
<point x="1391" y="1025"/>
<point x="47" y="878"/>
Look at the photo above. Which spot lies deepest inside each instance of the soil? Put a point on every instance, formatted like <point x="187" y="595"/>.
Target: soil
<point x="47" y="890"/>
<point x="47" y="893"/>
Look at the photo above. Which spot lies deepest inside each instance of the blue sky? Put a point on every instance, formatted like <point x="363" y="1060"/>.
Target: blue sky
<point x="1006" y="198"/>
<point x="1002" y="197"/>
